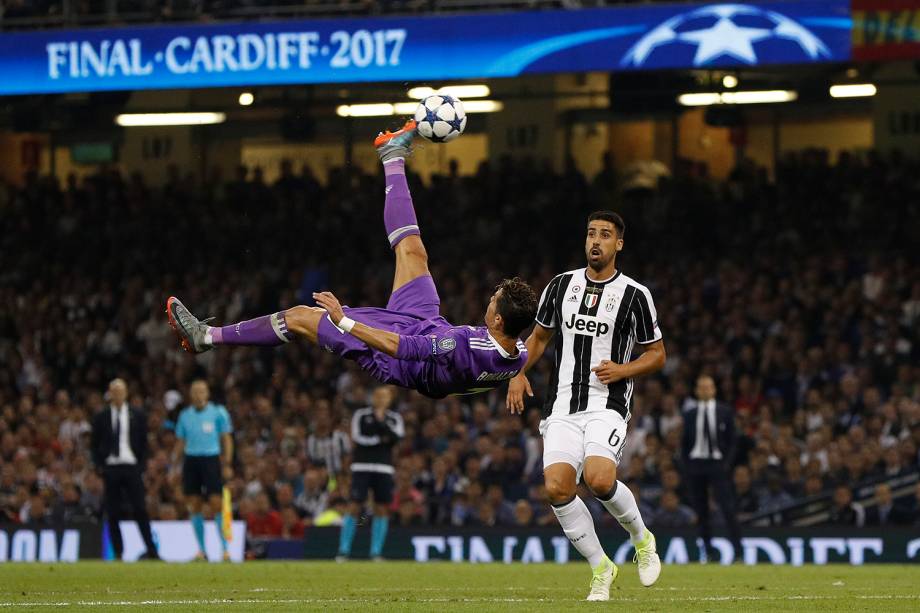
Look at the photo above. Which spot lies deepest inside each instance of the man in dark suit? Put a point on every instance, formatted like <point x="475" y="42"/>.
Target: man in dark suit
<point x="119" y="447"/>
<point x="883" y="512"/>
<point x="708" y="450"/>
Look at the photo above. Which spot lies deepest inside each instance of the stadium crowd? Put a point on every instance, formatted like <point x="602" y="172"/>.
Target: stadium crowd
<point x="799" y="294"/>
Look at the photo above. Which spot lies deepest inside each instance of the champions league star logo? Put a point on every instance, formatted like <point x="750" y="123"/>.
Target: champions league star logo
<point x="721" y="32"/>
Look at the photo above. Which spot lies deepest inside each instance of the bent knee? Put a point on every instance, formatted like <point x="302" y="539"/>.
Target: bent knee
<point x="412" y="247"/>
<point x="600" y="482"/>
<point x="601" y="485"/>
<point x="301" y="318"/>
<point x="559" y="490"/>
<point x="600" y="475"/>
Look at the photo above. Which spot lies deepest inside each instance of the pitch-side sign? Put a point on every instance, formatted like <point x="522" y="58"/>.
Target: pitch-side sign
<point x="176" y="542"/>
<point x="795" y="547"/>
<point x="426" y="48"/>
<point x="40" y="543"/>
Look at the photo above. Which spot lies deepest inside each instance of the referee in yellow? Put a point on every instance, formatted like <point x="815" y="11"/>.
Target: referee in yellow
<point x="204" y="437"/>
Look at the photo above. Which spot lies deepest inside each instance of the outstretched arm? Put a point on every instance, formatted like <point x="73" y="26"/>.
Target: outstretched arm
<point x="381" y="340"/>
<point x="536" y="344"/>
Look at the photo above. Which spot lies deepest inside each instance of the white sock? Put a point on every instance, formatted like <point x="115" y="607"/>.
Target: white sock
<point x="578" y="525"/>
<point x="208" y="337"/>
<point x="622" y="505"/>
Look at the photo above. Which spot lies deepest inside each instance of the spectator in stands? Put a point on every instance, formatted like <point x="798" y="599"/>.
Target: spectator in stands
<point x="908" y="511"/>
<point x="314" y="498"/>
<point x="880" y="513"/>
<point x="441" y="488"/>
<point x="292" y="527"/>
<point x="35" y="511"/>
<point x="523" y="514"/>
<point x="671" y="513"/>
<point x="746" y="498"/>
<point x="263" y="521"/>
<point x="327" y="446"/>
<point x="843" y="511"/>
<point x="69" y="508"/>
<point x="284" y="496"/>
<point x="775" y="497"/>
<point x="407" y="514"/>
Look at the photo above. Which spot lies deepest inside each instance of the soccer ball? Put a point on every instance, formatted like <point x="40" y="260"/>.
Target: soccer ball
<point x="440" y="118"/>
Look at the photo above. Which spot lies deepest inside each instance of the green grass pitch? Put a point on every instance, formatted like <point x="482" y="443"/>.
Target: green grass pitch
<point x="407" y="586"/>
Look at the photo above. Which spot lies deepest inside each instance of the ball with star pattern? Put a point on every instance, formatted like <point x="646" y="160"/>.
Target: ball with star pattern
<point x="440" y="118"/>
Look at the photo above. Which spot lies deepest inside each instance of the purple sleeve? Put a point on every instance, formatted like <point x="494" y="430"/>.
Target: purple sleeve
<point x="430" y="346"/>
<point x="416" y="348"/>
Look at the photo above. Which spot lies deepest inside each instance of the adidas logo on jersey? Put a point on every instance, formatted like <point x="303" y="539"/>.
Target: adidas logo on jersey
<point x="587" y="325"/>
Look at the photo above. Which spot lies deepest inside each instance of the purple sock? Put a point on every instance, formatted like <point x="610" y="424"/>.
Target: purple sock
<point x="265" y="331"/>
<point x="398" y="212"/>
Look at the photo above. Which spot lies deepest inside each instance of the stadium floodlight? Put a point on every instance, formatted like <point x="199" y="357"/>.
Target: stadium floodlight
<point x="750" y="97"/>
<point x="404" y="108"/>
<point x="384" y="109"/>
<point x="247" y="98"/>
<point x="470" y="106"/>
<point x="703" y="99"/>
<point x="729" y="81"/>
<point x="143" y="120"/>
<point x="482" y="106"/>
<point x="458" y="91"/>
<point x="365" y="110"/>
<point x="759" y="97"/>
<point x="853" y="90"/>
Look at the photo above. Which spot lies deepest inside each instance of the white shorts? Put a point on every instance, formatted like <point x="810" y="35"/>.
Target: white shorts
<point x="572" y="438"/>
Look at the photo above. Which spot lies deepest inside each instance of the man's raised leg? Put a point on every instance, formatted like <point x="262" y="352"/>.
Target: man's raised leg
<point x="265" y="331"/>
<point x="398" y="213"/>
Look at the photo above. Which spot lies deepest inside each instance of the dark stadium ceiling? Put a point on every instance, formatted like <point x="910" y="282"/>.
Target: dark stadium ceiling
<point x="630" y="94"/>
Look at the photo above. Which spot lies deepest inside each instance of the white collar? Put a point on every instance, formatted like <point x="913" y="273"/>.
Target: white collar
<point x="501" y="349"/>
<point x="122" y="407"/>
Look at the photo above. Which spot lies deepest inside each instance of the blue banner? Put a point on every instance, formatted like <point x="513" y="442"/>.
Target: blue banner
<point x="426" y="48"/>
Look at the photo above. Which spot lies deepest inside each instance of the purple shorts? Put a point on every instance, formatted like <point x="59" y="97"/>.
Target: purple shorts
<point x="413" y="304"/>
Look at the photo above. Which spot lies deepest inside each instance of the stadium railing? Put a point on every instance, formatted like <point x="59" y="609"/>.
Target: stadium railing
<point x="815" y="510"/>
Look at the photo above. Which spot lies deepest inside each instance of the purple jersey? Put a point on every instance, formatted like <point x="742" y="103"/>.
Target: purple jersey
<point x="442" y="359"/>
<point x="434" y="357"/>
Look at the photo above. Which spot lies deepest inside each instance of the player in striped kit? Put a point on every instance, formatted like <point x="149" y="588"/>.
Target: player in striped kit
<point x="598" y="315"/>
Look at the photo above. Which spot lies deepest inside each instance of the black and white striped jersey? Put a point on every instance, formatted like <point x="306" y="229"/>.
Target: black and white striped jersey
<point x="594" y="321"/>
<point x="329" y="450"/>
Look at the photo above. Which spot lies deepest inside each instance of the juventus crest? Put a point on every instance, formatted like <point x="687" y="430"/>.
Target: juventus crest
<point x="592" y="295"/>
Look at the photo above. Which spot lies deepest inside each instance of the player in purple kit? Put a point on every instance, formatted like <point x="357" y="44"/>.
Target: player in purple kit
<point x="407" y="343"/>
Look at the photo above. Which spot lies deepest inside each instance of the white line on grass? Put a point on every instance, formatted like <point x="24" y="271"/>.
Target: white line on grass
<point x="278" y="601"/>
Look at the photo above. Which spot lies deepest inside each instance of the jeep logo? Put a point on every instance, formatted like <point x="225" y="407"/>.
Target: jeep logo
<point x="587" y="325"/>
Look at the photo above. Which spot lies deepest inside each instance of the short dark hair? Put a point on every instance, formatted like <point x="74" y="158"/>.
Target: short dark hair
<point x="517" y="304"/>
<point x="612" y="217"/>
